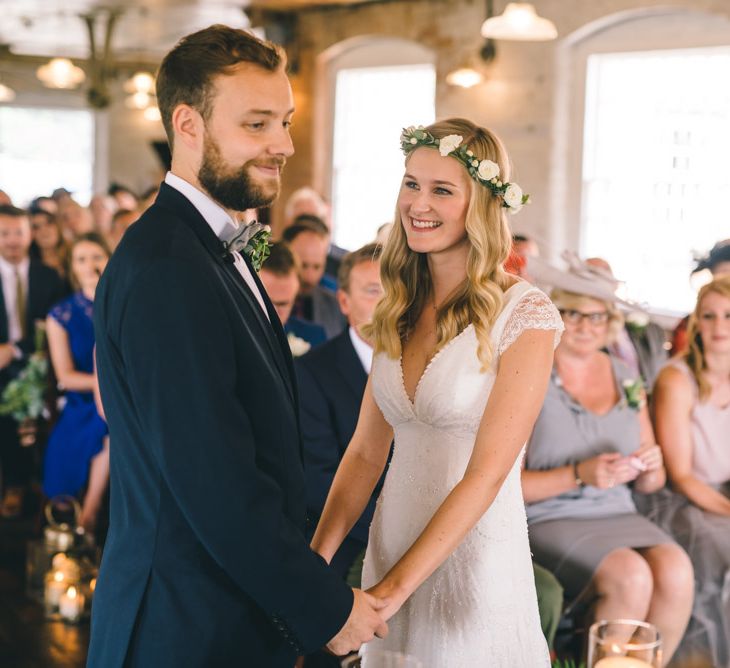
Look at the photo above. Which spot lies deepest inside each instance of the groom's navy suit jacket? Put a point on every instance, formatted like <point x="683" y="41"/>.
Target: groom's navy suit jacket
<point x="206" y="563"/>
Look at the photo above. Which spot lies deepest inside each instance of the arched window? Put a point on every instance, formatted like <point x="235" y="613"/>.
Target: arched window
<point x="646" y="147"/>
<point x="374" y="87"/>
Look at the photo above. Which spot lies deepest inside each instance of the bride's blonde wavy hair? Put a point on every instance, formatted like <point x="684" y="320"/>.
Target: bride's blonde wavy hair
<point x="405" y="275"/>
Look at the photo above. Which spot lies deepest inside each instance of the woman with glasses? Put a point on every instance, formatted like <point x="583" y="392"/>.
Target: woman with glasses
<point x="591" y="445"/>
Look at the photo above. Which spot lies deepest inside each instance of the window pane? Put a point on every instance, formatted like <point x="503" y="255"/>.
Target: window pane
<point x="655" y="171"/>
<point x="44" y="149"/>
<point x="372" y="105"/>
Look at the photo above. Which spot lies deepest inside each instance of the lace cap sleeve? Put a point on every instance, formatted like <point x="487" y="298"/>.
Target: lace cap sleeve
<point x="61" y="313"/>
<point x="534" y="310"/>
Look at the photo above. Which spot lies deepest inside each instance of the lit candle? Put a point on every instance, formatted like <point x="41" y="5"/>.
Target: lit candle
<point x="55" y="587"/>
<point x="622" y="662"/>
<point x="71" y="604"/>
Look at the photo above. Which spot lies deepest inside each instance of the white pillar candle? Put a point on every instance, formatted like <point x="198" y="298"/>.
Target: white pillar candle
<point x="71" y="604"/>
<point x="55" y="588"/>
<point x="622" y="662"/>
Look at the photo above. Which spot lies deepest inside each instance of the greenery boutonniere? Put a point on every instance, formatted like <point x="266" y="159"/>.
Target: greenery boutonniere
<point x="637" y="321"/>
<point x="253" y="240"/>
<point x="258" y="246"/>
<point x="634" y="392"/>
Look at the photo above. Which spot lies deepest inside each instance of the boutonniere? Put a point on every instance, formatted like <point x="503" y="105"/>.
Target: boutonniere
<point x="254" y="241"/>
<point x="634" y="393"/>
<point x="297" y="345"/>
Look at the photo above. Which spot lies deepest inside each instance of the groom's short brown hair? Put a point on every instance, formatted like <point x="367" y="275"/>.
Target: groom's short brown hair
<point x="186" y="73"/>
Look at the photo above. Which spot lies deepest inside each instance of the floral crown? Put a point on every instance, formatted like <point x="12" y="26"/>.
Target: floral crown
<point x="485" y="172"/>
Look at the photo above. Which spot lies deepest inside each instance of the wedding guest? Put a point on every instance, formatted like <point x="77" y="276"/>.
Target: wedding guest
<point x="48" y="244"/>
<point x="121" y="221"/>
<point x="692" y="417"/>
<point x="591" y="444"/>
<point x="717" y="262"/>
<point x="307" y="201"/>
<point x="77" y="455"/>
<point x="640" y="343"/>
<point x="148" y="197"/>
<point x="123" y="196"/>
<point x="75" y="219"/>
<point x="309" y="241"/>
<point x="29" y="288"/>
<point x="280" y="278"/>
<point x="43" y="203"/>
<point x="102" y="208"/>
<point x="326" y="279"/>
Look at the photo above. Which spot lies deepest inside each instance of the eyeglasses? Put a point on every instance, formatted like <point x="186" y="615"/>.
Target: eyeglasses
<point x="576" y="317"/>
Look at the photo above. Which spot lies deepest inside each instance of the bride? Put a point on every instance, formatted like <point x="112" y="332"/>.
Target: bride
<point x="463" y="354"/>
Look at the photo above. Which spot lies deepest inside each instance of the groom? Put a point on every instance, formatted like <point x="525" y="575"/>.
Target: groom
<point x="206" y="562"/>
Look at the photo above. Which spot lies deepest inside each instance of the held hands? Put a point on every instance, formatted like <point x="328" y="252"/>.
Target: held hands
<point x="609" y="469"/>
<point x="364" y="623"/>
<point x="650" y="456"/>
<point x="391" y="596"/>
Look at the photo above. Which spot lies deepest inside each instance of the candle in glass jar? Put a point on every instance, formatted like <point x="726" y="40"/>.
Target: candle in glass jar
<point x="55" y="588"/>
<point x="622" y="662"/>
<point x="71" y="604"/>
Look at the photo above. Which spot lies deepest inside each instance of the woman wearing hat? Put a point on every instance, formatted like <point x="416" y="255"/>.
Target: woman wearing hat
<point x="592" y="443"/>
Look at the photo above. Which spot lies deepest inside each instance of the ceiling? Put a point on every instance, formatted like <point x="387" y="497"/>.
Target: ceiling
<point x="144" y="29"/>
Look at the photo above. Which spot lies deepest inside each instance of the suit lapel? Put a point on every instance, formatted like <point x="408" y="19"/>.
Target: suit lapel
<point x="349" y="364"/>
<point x="3" y="316"/>
<point x="176" y="202"/>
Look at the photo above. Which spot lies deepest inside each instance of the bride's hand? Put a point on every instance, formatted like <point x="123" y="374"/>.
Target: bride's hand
<point x="391" y="595"/>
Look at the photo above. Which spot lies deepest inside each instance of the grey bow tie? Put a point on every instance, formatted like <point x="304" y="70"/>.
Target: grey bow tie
<point x="240" y="239"/>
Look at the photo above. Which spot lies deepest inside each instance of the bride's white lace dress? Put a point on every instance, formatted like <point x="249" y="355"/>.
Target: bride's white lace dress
<point x="479" y="608"/>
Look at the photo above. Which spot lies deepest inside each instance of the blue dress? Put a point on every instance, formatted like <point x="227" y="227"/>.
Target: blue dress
<point x="79" y="432"/>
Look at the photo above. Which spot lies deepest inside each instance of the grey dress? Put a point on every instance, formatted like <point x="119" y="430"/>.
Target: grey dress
<point x="571" y="533"/>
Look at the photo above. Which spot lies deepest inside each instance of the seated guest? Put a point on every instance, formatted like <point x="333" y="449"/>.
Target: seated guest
<point x="692" y="418"/>
<point x="328" y="281"/>
<point x="717" y="263"/>
<point x="102" y="208"/>
<point x="279" y="276"/>
<point x="121" y="221"/>
<point x="309" y="241"/>
<point x="123" y="196"/>
<point x="307" y="201"/>
<point x="27" y="290"/>
<point x="77" y="455"/>
<point x="75" y="219"/>
<point x="640" y="343"/>
<point x="591" y="444"/>
<point x="48" y="244"/>
<point x="331" y="383"/>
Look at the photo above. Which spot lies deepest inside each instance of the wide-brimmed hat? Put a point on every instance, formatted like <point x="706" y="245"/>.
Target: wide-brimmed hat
<point x="579" y="278"/>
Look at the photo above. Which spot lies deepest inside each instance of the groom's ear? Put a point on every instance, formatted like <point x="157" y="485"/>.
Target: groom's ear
<point x="188" y="127"/>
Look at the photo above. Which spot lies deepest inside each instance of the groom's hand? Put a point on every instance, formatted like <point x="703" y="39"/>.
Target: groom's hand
<point x="363" y="624"/>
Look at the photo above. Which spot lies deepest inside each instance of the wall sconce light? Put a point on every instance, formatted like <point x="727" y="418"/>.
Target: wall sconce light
<point x="60" y="73"/>
<point x="140" y="82"/>
<point x="519" y="22"/>
<point x="464" y="77"/>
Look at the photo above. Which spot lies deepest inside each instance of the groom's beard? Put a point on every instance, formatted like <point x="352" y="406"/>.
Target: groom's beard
<point x="234" y="188"/>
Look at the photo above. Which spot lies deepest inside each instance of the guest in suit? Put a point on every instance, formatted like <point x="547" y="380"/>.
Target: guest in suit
<point x="206" y="564"/>
<point x="309" y="240"/>
<point x="332" y="380"/>
<point x="307" y="201"/>
<point x="281" y="280"/>
<point x="29" y="289"/>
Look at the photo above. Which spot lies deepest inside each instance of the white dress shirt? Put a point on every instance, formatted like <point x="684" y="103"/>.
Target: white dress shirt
<point x="10" y="292"/>
<point x="220" y="222"/>
<point x="364" y="350"/>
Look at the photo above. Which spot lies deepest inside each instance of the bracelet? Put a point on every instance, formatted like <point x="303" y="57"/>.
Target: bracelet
<point x="578" y="480"/>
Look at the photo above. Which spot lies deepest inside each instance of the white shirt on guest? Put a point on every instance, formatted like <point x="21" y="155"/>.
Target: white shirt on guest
<point x="364" y="350"/>
<point x="220" y="222"/>
<point x="10" y="292"/>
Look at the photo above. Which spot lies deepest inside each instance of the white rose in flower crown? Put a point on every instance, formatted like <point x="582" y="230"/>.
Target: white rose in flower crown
<point x="297" y="346"/>
<point x="449" y="143"/>
<point x="513" y="196"/>
<point x="488" y="170"/>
